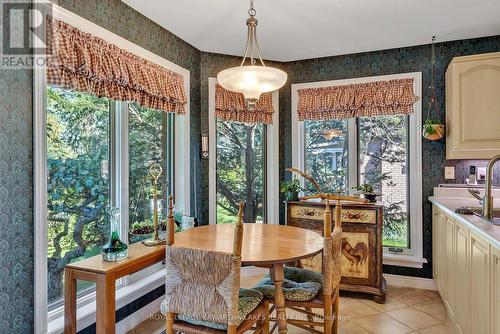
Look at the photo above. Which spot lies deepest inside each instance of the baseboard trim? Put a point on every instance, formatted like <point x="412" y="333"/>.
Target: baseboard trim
<point x="136" y="318"/>
<point x="410" y="282"/>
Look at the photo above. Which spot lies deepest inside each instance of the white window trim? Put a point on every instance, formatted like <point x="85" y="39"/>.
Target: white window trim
<point x="412" y="257"/>
<point x="182" y="164"/>
<point x="272" y="156"/>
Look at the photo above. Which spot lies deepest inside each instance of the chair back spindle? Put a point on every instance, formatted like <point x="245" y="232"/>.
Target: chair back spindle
<point x="170" y="221"/>
<point x="238" y="232"/>
<point x="327" y="222"/>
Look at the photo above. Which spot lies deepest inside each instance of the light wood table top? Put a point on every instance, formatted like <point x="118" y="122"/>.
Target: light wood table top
<point x="263" y="244"/>
<point x="138" y="254"/>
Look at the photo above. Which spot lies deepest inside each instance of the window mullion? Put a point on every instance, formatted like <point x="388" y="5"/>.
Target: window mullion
<point x="352" y="155"/>
<point x="119" y="168"/>
<point x="119" y="164"/>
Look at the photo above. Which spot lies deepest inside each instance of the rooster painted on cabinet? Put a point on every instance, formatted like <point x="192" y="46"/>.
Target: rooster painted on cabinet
<point x="356" y="256"/>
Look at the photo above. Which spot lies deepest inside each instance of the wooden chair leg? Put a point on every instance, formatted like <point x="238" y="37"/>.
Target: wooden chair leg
<point x="310" y="318"/>
<point x="328" y="321"/>
<point x="231" y="329"/>
<point x="169" y="326"/>
<point x="265" y="329"/>
<point x="336" y="312"/>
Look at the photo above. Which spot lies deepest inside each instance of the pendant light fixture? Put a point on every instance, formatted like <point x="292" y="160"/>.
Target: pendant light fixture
<point x="252" y="80"/>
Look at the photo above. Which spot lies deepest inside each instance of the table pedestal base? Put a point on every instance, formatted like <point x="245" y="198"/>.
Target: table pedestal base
<point x="277" y="275"/>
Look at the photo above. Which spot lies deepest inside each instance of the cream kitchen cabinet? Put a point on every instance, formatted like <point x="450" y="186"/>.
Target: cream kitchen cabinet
<point x="466" y="270"/>
<point x="473" y="107"/>
<point x="495" y="290"/>
<point x="480" y="284"/>
<point x="449" y="265"/>
<point x="461" y="293"/>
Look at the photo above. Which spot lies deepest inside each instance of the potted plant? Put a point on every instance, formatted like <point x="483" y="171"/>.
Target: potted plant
<point x="367" y="191"/>
<point x="433" y="129"/>
<point x="291" y="189"/>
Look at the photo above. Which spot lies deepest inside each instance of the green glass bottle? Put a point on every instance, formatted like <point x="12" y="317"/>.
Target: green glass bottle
<point x="115" y="249"/>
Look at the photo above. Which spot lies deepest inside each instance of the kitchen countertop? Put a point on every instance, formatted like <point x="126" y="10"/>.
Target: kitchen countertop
<point x="479" y="225"/>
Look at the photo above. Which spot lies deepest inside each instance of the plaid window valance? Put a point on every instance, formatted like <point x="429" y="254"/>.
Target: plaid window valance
<point x="87" y="63"/>
<point x="231" y="106"/>
<point x="390" y="97"/>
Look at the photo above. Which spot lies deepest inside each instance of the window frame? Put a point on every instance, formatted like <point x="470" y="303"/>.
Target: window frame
<point x="119" y="153"/>
<point x="410" y="257"/>
<point x="271" y="173"/>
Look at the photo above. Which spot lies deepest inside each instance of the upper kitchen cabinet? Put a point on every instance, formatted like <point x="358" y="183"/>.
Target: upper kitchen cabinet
<point x="473" y="107"/>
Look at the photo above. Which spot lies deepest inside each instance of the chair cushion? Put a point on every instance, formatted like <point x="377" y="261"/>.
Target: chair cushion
<point x="298" y="285"/>
<point x="249" y="299"/>
<point x="302" y="275"/>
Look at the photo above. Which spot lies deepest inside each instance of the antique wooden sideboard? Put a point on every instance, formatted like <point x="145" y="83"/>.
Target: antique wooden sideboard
<point x="362" y="254"/>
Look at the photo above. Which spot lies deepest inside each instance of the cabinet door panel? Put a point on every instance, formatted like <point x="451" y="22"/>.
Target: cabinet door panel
<point x="461" y="278"/>
<point x="479" y="284"/>
<point x="435" y="250"/>
<point x="495" y="292"/>
<point x="448" y="273"/>
<point x="472" y="114"/>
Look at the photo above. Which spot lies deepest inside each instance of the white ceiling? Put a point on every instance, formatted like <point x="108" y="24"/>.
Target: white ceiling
<point x="300" y="29"/>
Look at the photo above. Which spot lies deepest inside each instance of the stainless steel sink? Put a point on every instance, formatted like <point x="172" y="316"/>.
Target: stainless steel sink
<point x="495" y="220"/>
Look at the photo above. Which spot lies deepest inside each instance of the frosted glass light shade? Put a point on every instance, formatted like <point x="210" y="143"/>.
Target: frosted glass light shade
<point x="252" y="80"/>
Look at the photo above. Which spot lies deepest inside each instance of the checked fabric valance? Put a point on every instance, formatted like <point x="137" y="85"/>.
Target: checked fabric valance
<point x="392" y="97"/>
<point x="81" y="61"/>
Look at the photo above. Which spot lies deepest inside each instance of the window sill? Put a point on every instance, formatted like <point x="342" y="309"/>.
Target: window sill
<point x="404" y="260"/>
<point x="124" y="296"/>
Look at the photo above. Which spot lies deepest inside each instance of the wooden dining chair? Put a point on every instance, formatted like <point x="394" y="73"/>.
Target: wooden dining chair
<point x="328" y="296"/>
<point x="203" y="295"/>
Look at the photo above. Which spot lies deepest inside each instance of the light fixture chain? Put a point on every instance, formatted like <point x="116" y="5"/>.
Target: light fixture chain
<point x="252" y="12"/>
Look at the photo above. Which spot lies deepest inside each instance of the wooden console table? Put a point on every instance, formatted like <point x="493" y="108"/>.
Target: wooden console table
<point x="104" y="274"/>
<point x="361" y="260"/>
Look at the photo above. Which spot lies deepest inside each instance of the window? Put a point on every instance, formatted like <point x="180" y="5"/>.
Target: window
<point x="383" y="155"/>
<point x="243" y="166"/>
<point x="240" y="171"/>
<point x="81" y="172"/>
<point x="150" y="138"/>
<point x="326" y="149"/>
<point x="78" y="147"/>
<point x="382" y="150"/>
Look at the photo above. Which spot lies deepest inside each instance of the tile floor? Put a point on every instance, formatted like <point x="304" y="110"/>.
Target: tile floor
<point x="406" y="310"/>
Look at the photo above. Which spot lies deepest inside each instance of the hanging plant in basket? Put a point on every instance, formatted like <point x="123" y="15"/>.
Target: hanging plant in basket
<point x="433" y="129"/>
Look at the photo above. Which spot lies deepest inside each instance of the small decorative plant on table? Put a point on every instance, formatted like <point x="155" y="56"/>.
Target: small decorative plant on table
<point x="291" y="189"/>
<point x="367" y="191"/>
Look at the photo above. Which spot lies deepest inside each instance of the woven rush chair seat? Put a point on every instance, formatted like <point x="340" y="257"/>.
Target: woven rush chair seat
<point x="298" y="285"/>
<point x="260" y="312"/>
<point x="248" y="300"/>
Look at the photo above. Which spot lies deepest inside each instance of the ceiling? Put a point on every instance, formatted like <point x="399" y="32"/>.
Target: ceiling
<point x="301" y="29"/>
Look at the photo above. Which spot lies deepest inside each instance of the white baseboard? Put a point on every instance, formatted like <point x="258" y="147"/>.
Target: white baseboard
<point x="410" y="282"/>
<point x="134" y="319"/>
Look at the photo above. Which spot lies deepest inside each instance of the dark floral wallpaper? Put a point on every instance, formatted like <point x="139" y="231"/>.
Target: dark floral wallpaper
<point x="16" y="193"/>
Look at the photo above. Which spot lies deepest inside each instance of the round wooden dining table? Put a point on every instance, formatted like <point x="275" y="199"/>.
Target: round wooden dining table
<point x="265" y="245"/>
